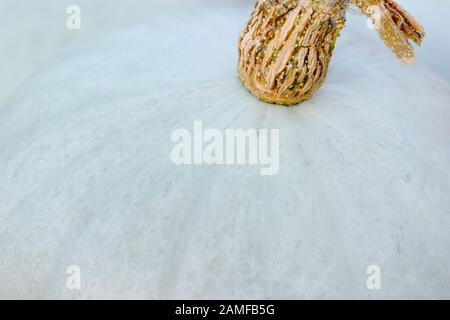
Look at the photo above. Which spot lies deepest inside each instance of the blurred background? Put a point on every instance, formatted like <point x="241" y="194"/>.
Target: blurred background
<point x="34" y="32"/>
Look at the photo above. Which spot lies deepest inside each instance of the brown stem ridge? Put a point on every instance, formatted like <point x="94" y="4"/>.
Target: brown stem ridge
<point x="286" y="46"/>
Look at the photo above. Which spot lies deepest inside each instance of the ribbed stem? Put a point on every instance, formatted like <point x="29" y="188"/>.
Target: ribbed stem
<point x="285" y="48"/>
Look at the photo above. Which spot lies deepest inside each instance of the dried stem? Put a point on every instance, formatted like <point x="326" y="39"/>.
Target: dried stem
<point x="286" y="46"/>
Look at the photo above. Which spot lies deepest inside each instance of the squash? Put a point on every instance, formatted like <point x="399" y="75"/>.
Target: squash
<point x="86" y="177"/>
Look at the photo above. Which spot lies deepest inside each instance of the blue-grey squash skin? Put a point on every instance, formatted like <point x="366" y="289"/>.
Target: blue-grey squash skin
<point x="86" y="177"/>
